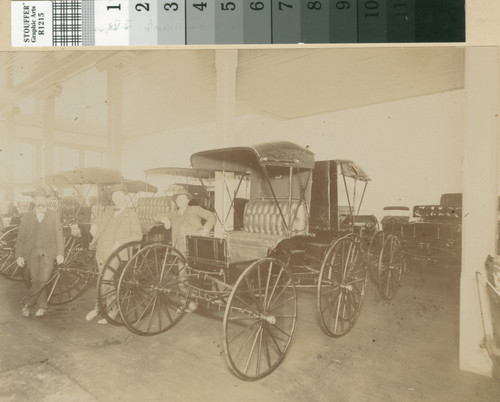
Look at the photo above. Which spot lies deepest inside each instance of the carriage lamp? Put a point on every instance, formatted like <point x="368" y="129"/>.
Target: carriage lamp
<point x="75" y="230"/>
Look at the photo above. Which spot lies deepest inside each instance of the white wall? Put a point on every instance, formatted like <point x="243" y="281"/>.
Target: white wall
<point x="165" y="149"/>
<point x="412" y="148"/>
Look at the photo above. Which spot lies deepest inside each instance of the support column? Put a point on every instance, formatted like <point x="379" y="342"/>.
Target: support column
<point x="480" y="189"/>
<point x="8" y="151"/>
<point x="224" y="193"/>
<point x="115" y="115"/>
<point x="114" y="66"/>
<point x="226" y="63"/>
<point x="48" y="97"/>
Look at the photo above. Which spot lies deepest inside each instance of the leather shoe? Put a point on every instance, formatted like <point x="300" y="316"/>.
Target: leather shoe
<point x="102" y="321"/>
<point x="91" y="314"/>
<point x="41" y="312"/>
<point x="192" y="306"/>
<point x="26" y="311"/>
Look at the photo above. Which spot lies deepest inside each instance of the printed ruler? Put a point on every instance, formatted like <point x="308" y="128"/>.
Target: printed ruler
<point x="192" y="22"/>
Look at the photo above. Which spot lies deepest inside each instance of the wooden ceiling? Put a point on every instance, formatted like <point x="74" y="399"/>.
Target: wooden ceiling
<point x="167" y="90"/>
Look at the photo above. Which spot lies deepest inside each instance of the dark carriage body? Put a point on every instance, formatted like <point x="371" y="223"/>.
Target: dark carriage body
<point x="294" y="217"/>
<point x="330" y="219"/>
<point x="280" y="177"/>
<point x="435" y="236"/>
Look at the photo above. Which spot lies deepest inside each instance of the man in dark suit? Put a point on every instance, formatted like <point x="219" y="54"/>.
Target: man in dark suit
<point x="39" y="241"/>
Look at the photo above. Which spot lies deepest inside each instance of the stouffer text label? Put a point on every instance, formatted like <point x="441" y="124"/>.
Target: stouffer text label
<point x="31" y="23"/>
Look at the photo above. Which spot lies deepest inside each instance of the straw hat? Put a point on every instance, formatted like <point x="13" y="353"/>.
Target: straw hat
<point x="176" y="190"/>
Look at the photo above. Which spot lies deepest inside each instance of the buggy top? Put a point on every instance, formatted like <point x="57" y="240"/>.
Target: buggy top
<point x="280" y="191"/>
<point x="102" y="178"/>
<point x="190" y="178"/>
<point x="98" y="176"/>
<point x="329" y="212"/>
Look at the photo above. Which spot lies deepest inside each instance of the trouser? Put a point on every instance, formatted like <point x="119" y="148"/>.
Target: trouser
<point x="109" y="283"/>
<point x="40" y="266"/>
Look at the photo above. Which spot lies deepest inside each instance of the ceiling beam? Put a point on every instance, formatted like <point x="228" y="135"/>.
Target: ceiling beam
<point x="74" y="63"/>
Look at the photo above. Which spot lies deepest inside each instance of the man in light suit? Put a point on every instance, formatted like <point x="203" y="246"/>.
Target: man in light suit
<point x="39" y="241"/>
<point x="116" y="226"/>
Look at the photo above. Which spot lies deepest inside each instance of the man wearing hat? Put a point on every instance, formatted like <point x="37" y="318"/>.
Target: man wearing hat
<point x="116" y="226"/>
<point x="39" y="241"/>
<point x="186" y="220"/>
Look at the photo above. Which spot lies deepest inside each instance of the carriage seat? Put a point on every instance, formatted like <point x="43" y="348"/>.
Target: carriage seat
<point x="53" y="204"/>
<point x="263" y="227"/>
<point x="148" y="208"/>
<point x="263" y="216"/>
<point x="24" y="207"/>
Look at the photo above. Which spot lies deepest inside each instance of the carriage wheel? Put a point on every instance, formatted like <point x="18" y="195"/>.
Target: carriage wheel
<point x="153" y="290"/>
<point x="390" y="267"/>
<point x="9" y="267"/>
<point x="260" y="319"/>
<point x="8" y="264"/>
<point x="341" y="287"/>
<point x="366" y="233"/>
<point x="71" y="278"/>
<point x="373" y="254"/>
<point x="107" y="282"/>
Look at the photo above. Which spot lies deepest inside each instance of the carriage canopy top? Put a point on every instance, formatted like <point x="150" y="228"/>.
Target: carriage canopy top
<point x="242" y="159"/>
<point x="136" y="186"/>
<point x="100" y="176"/>
<point x="351" y="169"/>
<point x="89" y="175"/>
<point x="178" y="172"/>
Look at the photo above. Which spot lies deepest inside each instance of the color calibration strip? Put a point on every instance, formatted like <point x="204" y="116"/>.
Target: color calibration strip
<point x="194" y="22"/>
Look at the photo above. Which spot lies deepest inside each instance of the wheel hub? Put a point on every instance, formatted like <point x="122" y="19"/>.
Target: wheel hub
<point x="346" y="287"/>
<point x="271" y="319"/>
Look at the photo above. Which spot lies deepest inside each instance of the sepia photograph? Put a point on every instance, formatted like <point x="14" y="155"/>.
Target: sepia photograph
<point x="250" y="224"/>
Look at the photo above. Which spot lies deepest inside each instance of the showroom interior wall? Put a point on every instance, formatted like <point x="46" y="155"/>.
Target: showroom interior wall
<point x="411" y="148"/>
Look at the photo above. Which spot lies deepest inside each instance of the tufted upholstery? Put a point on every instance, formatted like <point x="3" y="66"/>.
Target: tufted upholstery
<point x="264" y="228"/>
<point x="150" y="208"/>
<point x="263" y="216"/>
<point x="53" y="204"/>
<point x="24" y="206"/>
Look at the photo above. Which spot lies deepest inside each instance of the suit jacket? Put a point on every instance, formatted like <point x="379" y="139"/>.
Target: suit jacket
<point x="50" y="230"/>
<point x="126" y="228"/>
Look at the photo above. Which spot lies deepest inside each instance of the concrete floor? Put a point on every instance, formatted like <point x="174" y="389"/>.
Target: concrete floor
<point x="400" y="350"/>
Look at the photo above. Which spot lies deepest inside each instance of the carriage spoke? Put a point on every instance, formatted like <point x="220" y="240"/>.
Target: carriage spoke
<point x="266" y="346"/>
<point x="274" y="314"/>
<point x="285" y="287"/>
<point x="252" y="349"/>
<point x="155" y="297"/>
<point x="247" y="340"/>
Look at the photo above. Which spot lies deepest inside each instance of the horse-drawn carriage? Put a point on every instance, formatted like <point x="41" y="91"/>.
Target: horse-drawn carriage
<point x="83" y="196"/>
<point x="8" y="236"/>
<point x="80" y="196"/>
<point x="291" y="237"/>
<point x="432" y="235"/>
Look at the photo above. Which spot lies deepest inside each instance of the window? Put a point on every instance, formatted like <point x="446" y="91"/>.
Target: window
<point x="23" y="161"/>
<point x="94" y="158"/>
<point x="66" y="159"/>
